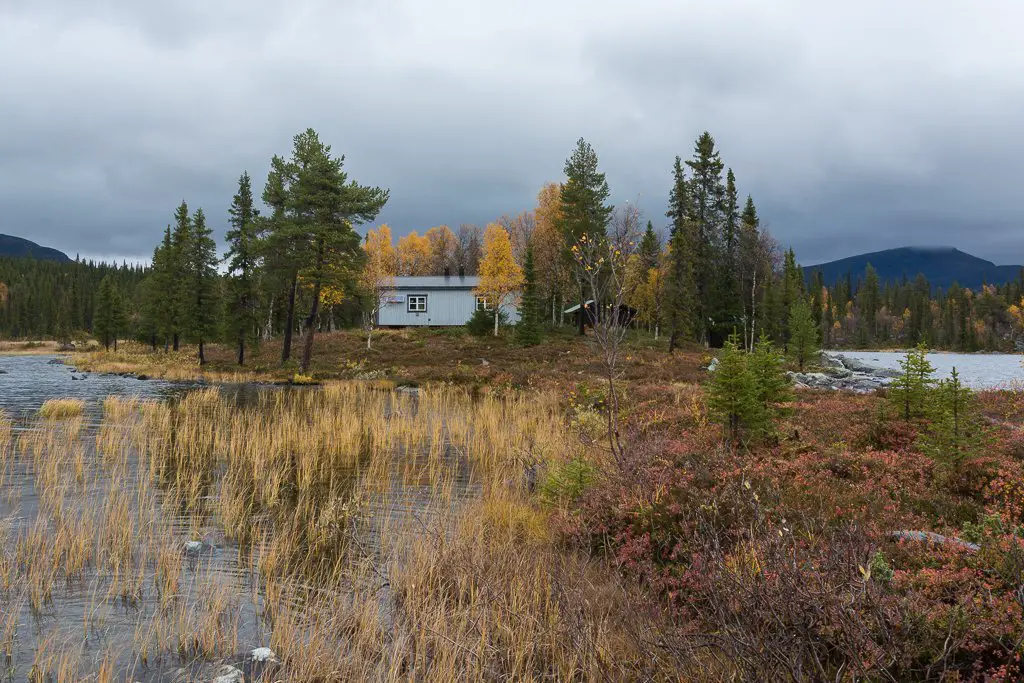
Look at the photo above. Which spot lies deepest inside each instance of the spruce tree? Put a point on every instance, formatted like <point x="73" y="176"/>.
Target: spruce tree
<point x="773" y="389"/>
<point x="649" y="249"/>
<point x="706" y="202"/>
<point x="242" y="259"/>
<point x="910" y="392"/>
<point x="803" y="333"/>
<point x="108" y="315"/>
<point x="868" y="298"/>
<point x="728" y="303"/>
<point x="732" y="394"/>
<point x="955" y="432"/>
<point x="528" y="329"/>
<point x="585" y="210"/>
<point x="178" y="266"/>
<point x="200" y="284"/>
<point x="792" y="289"/>
<point x="680" y="288"/>
<point x="752" y="268"/>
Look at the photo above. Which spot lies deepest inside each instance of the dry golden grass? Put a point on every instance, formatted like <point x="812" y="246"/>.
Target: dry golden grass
<point x="385" y="535"/>
<point x="61" y="408"/>
<point x="408" y="356"/>
<point x="31" y="348"/>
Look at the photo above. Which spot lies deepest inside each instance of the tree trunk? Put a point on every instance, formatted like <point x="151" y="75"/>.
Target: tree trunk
<point x="115" y="343"/>
<point x="177" y="341"/>
<point x="152" y="341"/>
<point x="268" y="331"/>
<point x="581" y="328"/>
<point x="241" y="347"/>
<point x="286" y="347"/>
<point x="497" y="310"/>
<point x="202" y="356"/>
<point x="310" y="329"/>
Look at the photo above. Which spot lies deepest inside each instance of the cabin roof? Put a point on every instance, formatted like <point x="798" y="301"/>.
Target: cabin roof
<point x="437" y="282"/>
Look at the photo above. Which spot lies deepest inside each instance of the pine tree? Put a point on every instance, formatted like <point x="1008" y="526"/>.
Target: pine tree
<point x="283" y="248"/>
<point x="200" y="284"/>
<point x="528" y="329"/>
<point x="243" y="260"/>
<point x="803" y="333"/>
<point x="584" y="209"/>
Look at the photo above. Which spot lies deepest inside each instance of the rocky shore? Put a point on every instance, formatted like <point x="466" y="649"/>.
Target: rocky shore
<point x="847" y="374"/>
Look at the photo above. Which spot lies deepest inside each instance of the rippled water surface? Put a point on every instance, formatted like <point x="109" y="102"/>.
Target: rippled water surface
<point x="976" y="370"/>
<point x="86" y="613"/>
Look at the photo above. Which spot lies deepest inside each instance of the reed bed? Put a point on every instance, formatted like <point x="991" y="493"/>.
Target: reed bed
<point x="62" y="408"/>
<point x="358" y="531"/>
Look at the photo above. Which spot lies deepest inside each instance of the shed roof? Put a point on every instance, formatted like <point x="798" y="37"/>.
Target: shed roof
<point x="437" y="282"/>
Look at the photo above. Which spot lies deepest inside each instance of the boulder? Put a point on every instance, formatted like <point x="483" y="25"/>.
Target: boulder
<point x="931" y="537"/>
<point x="263" y="654"/>
<point x="229" y="674"/>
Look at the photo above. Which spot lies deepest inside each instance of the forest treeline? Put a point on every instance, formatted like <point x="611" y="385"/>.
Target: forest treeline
<point x="294" y="264"/>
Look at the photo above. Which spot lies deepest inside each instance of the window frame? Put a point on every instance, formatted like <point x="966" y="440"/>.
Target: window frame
<point x="486" y="304"/>
<point x="419" y="299"/>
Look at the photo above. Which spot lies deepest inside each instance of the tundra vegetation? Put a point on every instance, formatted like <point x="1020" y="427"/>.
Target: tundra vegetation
<point x="589" y="507"/>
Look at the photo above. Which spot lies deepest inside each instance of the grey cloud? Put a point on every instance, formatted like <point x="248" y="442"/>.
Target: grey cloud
<point x="854" y="128"/>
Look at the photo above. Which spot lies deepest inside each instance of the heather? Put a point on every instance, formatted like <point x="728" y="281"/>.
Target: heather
<point x="780" y="560"/>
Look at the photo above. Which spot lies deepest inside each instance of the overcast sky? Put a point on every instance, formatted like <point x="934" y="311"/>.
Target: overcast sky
<point x="855" y="126"/>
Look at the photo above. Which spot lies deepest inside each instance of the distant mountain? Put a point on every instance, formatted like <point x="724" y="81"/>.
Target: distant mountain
<point x="941" y="265"/>
<point x="20" y="247"/>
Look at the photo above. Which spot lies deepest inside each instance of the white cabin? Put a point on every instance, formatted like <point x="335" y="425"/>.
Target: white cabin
<point x="434" y="301"/>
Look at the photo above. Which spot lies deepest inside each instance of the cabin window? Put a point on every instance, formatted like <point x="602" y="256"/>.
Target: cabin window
<point x="417" y="303"/>
<point x="482" y="304"/>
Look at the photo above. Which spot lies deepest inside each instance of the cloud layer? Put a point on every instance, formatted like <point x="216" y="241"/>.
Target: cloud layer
<point x="855" y="128"/>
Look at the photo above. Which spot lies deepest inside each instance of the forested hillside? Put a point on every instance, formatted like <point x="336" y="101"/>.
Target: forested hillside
<point x="55" y="300"/>
<point x="942" y="266"/>
<point x="19" y="246"/>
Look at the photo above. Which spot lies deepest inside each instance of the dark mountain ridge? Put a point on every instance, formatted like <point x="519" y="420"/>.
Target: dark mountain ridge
<point x="941" y="265"/>
<point x="19" y="247"/>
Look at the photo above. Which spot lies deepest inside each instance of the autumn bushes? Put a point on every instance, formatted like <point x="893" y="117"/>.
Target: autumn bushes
<point x="777" y="561"/>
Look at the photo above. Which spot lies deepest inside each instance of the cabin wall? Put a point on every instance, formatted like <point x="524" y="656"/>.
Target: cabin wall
<point x="445" y="308"/>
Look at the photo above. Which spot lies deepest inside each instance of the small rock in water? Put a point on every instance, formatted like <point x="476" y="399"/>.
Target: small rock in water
<point x="229" y="674"/>
<point x="197" y="547"/>
<point x="263" y="654"/>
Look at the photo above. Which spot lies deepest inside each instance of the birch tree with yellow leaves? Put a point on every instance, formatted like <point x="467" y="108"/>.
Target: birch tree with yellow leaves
<point x="378" y="276"/>
<point x="442" y="244"/>
<point x="414" y="255"/>
<point x="501" y="278"/>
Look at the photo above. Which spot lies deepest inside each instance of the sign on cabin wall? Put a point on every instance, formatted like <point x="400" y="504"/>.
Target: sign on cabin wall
<point x="395" y="299"/>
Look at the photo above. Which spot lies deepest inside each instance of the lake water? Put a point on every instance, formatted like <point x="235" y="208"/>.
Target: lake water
<point x="976" y="370"/>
